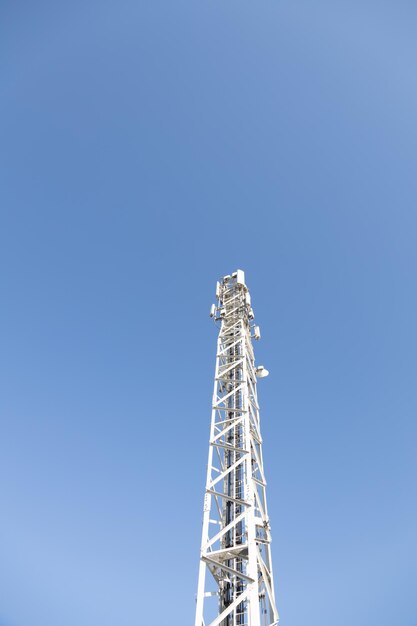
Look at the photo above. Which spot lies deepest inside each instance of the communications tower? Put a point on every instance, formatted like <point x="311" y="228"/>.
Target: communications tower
<point x="235" y="586"/>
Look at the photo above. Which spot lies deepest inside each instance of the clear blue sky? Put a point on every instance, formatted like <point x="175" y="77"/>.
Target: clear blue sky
<point x="147" y="148"/>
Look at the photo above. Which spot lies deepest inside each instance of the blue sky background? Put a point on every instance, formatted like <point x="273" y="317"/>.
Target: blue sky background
<point x="148" y="148"/>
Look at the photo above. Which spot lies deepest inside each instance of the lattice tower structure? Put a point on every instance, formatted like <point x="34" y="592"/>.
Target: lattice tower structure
<point x="235" y="586"/>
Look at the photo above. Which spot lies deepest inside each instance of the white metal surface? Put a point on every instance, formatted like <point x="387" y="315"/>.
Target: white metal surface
<point x="235" y="586"/>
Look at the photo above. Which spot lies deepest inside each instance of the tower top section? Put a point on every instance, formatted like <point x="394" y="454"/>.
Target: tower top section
<point x="233" y="299"/>
<point x="237" y="278"/>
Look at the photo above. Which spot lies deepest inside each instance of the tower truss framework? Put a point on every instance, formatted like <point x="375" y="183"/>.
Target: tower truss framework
<point x="235" y="586"/>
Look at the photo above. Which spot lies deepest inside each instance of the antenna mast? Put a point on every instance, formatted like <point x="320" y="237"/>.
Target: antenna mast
<point x="236" y="537"/>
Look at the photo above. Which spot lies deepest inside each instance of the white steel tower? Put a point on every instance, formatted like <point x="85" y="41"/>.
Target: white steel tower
<point x="235" y="586"/>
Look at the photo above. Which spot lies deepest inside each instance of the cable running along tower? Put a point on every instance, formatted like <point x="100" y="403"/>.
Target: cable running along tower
<point x="235" y="586"/>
